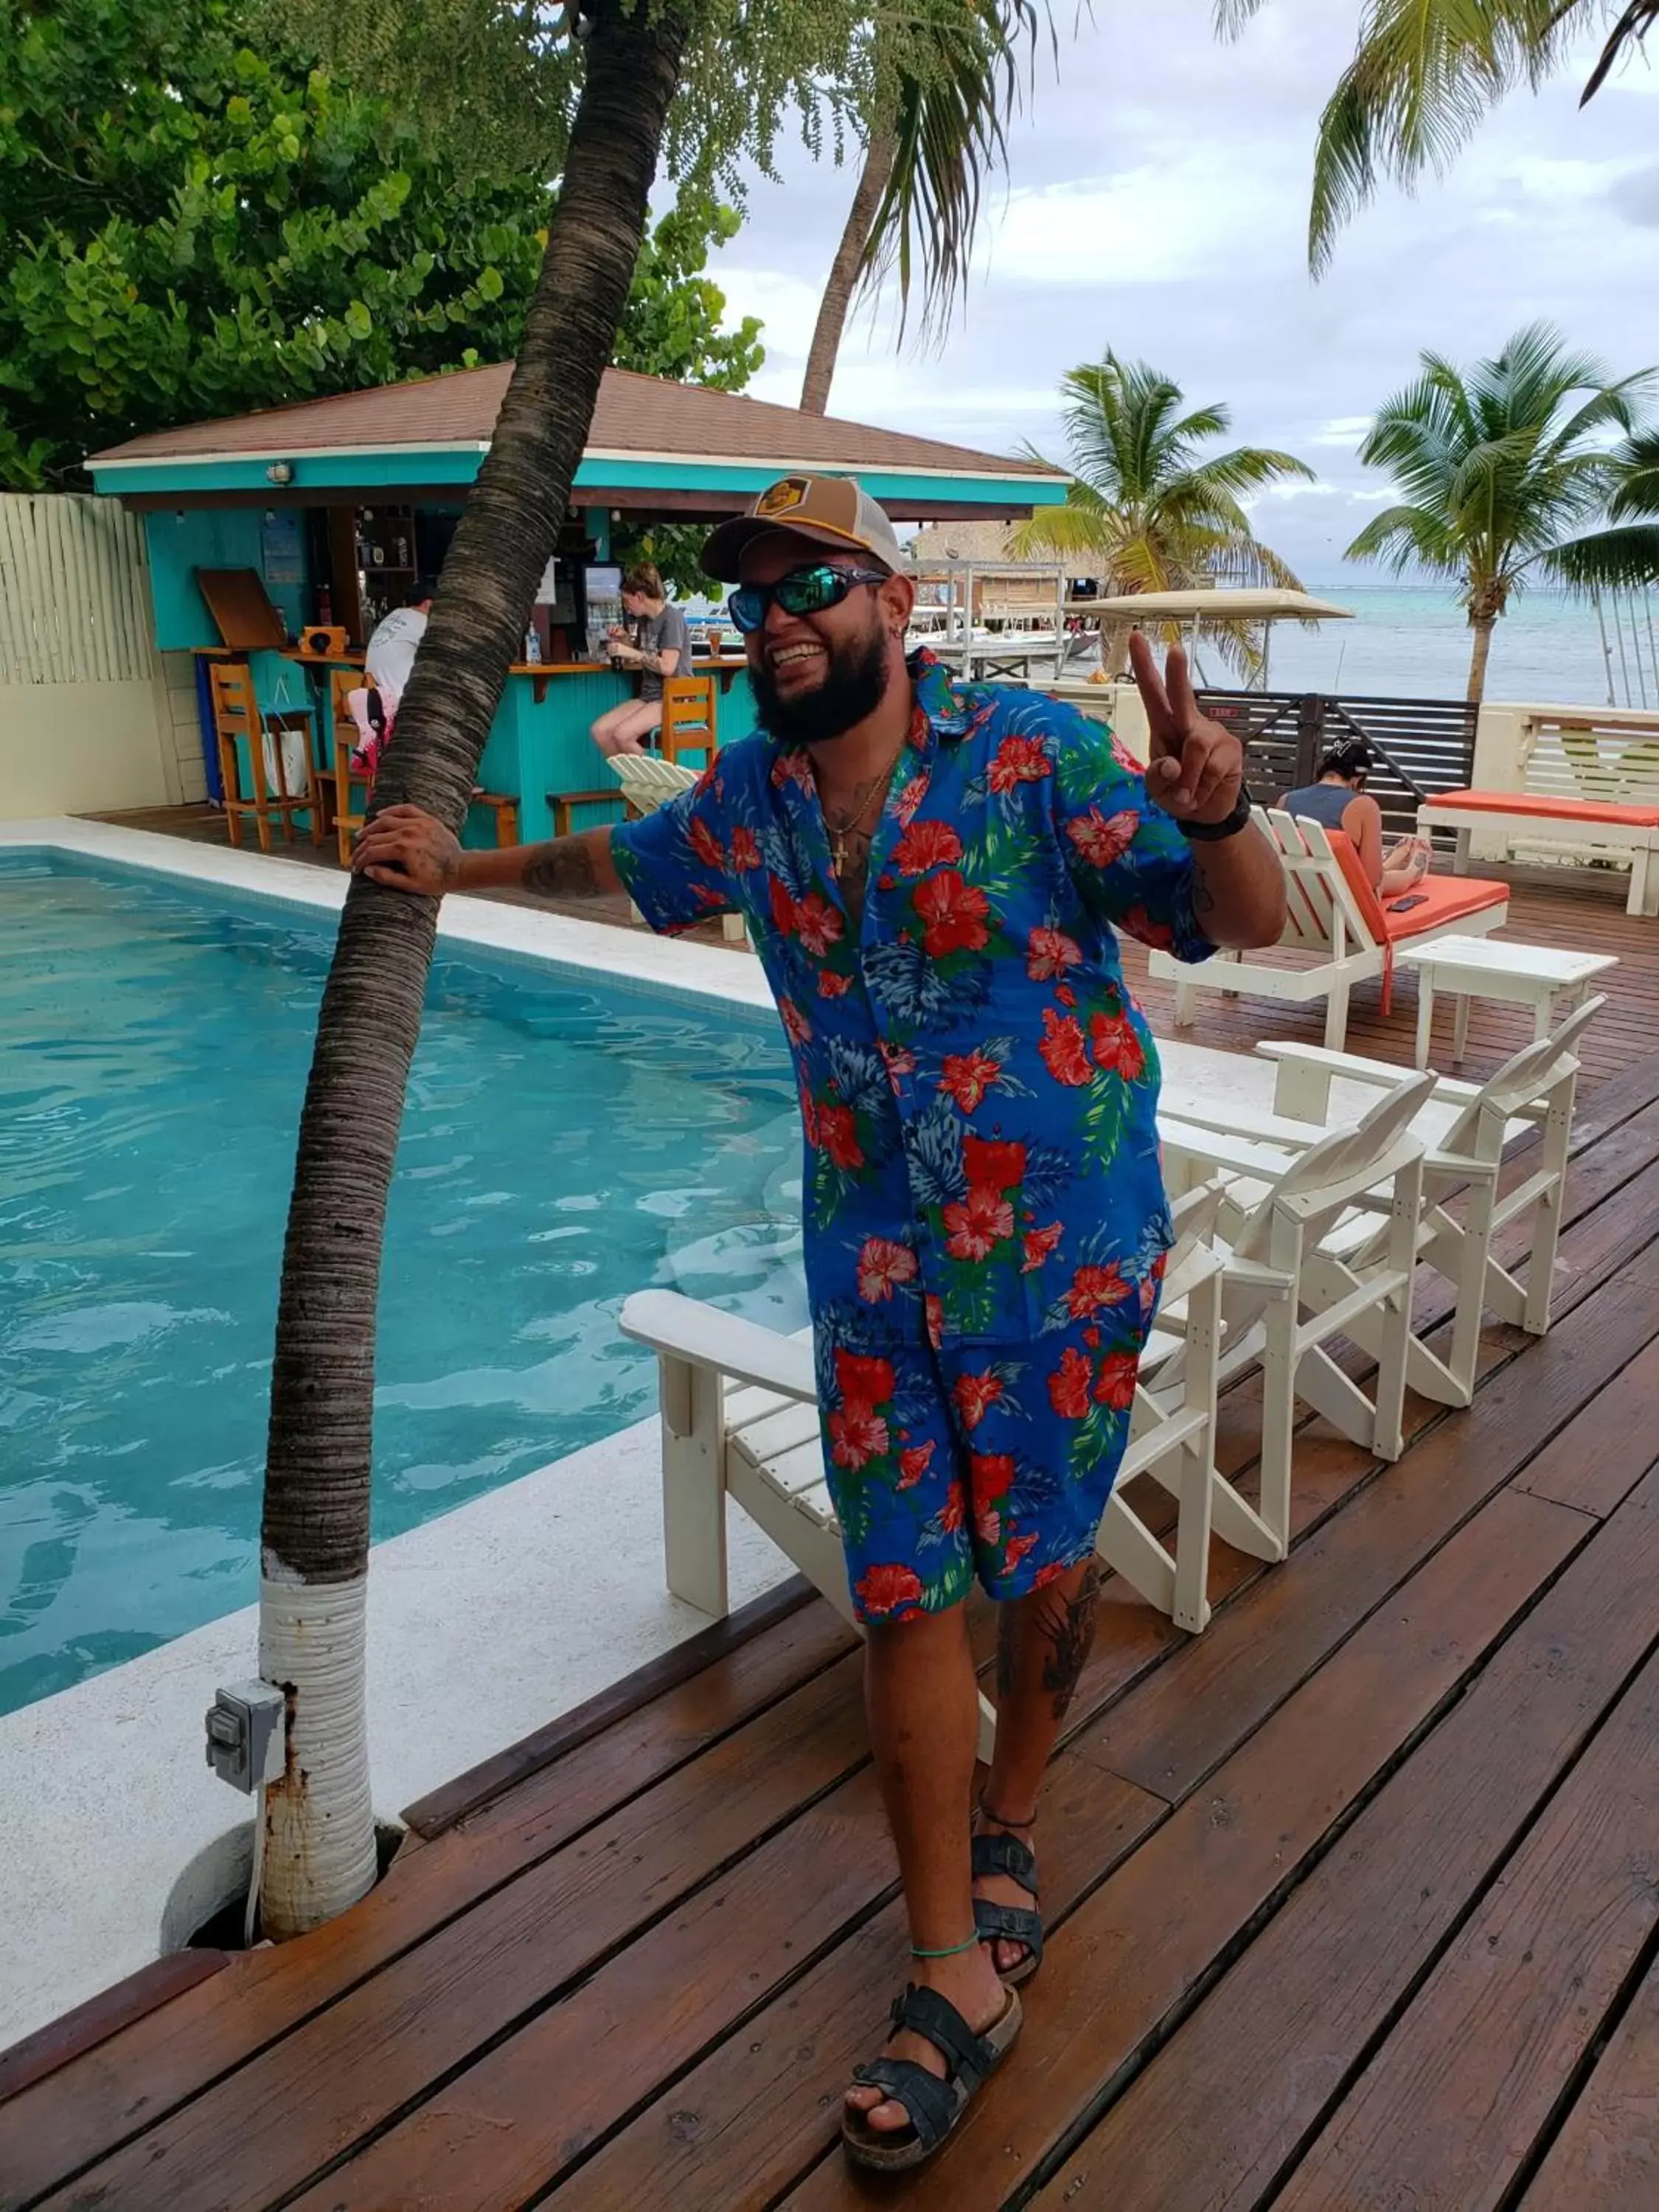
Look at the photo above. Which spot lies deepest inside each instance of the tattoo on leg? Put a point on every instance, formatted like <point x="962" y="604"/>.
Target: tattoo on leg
<point x="564" y="869"/>
<point x="1068" y="1628"/>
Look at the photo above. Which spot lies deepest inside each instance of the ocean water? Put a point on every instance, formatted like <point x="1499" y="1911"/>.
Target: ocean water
<point x="563" y="1146"/>
<point x="1413" y="642"/>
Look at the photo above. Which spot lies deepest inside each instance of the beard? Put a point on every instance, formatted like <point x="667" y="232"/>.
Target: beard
<point x="854" y="686"/>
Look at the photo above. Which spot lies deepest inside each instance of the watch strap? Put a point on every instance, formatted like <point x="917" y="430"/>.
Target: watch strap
<point x="1212" y="832"/>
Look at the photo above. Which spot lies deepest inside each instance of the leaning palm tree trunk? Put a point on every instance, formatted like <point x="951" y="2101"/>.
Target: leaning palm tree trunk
<point x="845" y="272"/>
<point x="319" y="1836"/>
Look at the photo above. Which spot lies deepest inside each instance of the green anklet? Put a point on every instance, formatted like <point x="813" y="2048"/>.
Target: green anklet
<point x="955" y="1950"/>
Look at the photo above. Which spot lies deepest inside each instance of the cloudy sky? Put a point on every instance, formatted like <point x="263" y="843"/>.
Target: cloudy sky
<point x="1157" y="203"/>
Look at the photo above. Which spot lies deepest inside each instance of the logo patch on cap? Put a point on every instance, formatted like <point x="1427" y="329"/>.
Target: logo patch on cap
<point x="784" y="496"/>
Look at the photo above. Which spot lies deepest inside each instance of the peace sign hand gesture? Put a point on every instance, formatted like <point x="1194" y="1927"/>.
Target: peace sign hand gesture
<point x="1195" y="770"/>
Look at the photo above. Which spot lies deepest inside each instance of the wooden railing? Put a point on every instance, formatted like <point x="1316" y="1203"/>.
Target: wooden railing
<point x="1420" y="746"/>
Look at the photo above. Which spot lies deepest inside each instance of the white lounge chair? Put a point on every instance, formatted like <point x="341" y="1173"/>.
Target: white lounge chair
<point x="1283" y="1210"/>
<point x="1532" y="1094"/>
<point x="1335" y="915"/>
<point x="649" y="781"/>
<point x="740" y="1419"/>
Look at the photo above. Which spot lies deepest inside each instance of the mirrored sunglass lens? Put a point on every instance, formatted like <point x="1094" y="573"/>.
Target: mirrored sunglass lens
<point x="810" y="591"/>
<point x="747" y="609"/>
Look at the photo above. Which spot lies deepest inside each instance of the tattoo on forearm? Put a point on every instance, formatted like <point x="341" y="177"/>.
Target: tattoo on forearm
<point x="564" y="869"/>
<point x="1068" y="1628"/>
<point x="1203" y="896"/>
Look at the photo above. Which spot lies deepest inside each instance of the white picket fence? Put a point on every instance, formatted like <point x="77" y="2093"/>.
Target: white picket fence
<point x="91" y="718"/>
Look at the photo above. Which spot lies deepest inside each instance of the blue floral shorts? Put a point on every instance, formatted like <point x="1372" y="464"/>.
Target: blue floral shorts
<point x="982" y="1461"/>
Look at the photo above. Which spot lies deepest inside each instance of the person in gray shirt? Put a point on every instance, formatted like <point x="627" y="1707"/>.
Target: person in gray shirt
<point x="658" y="643"/>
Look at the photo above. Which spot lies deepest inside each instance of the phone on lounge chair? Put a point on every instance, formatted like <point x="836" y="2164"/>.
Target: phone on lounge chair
<point x="1404" y="905"/>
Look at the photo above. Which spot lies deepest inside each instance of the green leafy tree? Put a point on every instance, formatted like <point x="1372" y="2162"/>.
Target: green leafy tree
<point x="193" y="228"/>
<point x="1148" y="507"/>
<point x="1499" y="469"/>
<point x="1424" y="74"/>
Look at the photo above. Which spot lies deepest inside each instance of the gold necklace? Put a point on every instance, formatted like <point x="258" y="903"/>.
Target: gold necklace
<point x="842" y="831"/>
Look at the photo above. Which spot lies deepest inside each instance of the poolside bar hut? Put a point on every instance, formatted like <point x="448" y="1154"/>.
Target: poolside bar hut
<point x="325" y="512"/>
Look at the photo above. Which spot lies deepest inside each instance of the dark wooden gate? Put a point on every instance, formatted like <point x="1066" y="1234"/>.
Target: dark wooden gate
<point x="1421" y="745"/>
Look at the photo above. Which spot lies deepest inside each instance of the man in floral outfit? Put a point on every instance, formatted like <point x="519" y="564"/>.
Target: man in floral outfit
<point x="932" y="877"/>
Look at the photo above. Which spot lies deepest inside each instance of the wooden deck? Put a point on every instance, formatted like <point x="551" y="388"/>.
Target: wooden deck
<point x="1355" y="1900"/>
<point x="1582" y="909"/>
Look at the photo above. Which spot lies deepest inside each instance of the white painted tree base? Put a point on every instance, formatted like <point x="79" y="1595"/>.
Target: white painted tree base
<point x="482" y="1626"/>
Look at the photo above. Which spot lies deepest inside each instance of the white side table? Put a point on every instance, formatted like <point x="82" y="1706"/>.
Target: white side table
<point x="1467" y="967"/>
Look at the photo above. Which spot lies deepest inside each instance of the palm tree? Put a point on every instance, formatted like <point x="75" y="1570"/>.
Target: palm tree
<point x="1151" y="509"/>
<point x="482" y="71"/>
<point x="1498" y="469"/>
<point x="944" y="75"/>
<point x="318" y="1838"/>
<point x="1424" y="74"/>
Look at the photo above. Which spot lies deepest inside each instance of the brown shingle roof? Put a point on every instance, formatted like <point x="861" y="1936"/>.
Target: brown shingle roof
<point x="642" y="415"/>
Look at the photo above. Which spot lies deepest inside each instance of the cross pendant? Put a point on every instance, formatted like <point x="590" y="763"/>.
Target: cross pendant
<point x="838" y="858"/>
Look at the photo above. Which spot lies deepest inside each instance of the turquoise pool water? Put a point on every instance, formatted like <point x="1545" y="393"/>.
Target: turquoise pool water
<point x="564" y="1144"/>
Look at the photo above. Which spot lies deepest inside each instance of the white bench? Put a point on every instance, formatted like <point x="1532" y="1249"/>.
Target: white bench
<point x="1539" y="818"/>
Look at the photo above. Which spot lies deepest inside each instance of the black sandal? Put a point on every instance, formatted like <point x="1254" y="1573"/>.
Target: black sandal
<point x="934" y="2106"/>
<point x="1006" y="1856"/>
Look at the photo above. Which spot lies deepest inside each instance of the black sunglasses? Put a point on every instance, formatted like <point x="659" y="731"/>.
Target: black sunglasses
<point x="802" y="592"/>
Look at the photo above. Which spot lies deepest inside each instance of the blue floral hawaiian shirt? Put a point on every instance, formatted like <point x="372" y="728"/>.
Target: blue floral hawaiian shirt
<point x="978" y="1088"/>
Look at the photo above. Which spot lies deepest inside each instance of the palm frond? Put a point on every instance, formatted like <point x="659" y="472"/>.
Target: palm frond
<point x="1425" y="73"/>
<point x="1636" y="491"/>
<point x="949" y="75"/>
<point x="1631" y="29"/>
<point x="1401" y="537"/>
<point x="1606" y="560"/>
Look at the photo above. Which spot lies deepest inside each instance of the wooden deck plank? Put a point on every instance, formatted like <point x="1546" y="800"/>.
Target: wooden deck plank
<point x="1225" y="1681"/>
<point x="1270" y="2049"/>
<point x="657" y="2008"/>
<point x="202" y="2035"/>
<point x="1606" y="2159"/>
<point x="298" y="2103"/>
<point x="1143" y="1944"/>
<point x="1598" y="1458"/>
<point x="1444" y="2116"/>
<point x="681" y="1663"/>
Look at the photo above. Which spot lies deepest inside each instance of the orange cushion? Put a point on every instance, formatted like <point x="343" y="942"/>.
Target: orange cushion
<point x="1446" y="899"/>
<point x="1365" y="898"/>
<point x="1544" y="808"/>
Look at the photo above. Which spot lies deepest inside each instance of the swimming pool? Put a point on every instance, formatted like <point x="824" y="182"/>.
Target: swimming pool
<point x="567" y="1140"/>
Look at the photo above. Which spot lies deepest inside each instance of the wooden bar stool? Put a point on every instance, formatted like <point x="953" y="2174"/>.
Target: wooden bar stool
<point x="238" y="722"/>
<point x="506" y="810"/>
<point x="561" y="802"/>
<point x="342" y="790"/>
<point x="688" y="716"/>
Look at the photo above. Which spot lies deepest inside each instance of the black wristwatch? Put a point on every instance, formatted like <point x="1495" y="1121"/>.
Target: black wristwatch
<point x="1212" y="832"/>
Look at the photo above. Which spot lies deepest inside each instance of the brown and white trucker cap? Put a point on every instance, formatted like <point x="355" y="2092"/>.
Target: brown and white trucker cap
<point x="834" y="511"/>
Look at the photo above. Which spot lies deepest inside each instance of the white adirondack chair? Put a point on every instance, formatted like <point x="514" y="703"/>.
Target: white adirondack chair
<point x="1274" y="1224"/>
<point x="740" y="1419"/>
<point x="1333" y="914"/>
<point x="649" y="781"/>
<point x="1534" y="1094"/>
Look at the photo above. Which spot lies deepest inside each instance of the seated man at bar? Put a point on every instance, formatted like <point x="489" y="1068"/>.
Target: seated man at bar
<point x="933" y="880"/>
<point x="659" y="646"/>
<point x="388" y="664"/>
